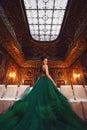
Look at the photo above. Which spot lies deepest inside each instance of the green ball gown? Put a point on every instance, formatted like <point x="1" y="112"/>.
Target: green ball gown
<point x="42" y="108"/>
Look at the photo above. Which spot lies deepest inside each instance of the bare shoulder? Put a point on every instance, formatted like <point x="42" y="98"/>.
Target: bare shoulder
<point x="45" y="66"/>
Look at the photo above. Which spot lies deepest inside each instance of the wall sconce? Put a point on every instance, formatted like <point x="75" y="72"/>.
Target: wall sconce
<point x="12" y="75"/>
<point x="76" y="76"/>
<point x="65" y="81"/>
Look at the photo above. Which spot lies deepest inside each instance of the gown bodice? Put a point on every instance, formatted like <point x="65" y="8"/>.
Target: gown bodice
<point x="42" y="72"/>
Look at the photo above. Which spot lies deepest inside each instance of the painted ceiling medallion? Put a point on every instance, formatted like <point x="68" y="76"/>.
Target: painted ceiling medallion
<point x="45" y="17"/>
<point x="44" y="30"/>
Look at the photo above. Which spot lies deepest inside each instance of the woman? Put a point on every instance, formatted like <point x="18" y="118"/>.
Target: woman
<point x="42" y="108"/>
<point x="44" y="69"/>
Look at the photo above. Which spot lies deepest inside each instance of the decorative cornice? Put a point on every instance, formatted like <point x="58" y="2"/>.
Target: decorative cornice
<point x="8" y="26"/>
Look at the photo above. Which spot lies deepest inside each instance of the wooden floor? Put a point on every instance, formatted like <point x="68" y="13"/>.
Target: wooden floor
<point x="77" y="95"/>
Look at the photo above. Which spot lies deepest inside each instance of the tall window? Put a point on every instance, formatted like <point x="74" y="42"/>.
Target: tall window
<point x="45" y="18"/>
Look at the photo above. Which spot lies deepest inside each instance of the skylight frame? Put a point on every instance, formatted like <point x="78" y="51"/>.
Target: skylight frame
<point x="45" y="18"/>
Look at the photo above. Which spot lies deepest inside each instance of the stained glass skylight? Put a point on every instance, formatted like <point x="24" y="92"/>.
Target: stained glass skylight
<point x="45" y="18"/>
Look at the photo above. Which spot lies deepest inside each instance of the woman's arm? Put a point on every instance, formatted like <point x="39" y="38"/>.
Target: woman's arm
<point x="45" y="68"/>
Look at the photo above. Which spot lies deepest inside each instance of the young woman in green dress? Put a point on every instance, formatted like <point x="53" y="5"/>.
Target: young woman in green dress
<point x="42" y="108"/>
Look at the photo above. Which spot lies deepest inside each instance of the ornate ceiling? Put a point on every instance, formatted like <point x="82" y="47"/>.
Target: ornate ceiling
<point x="16" y="39"/>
